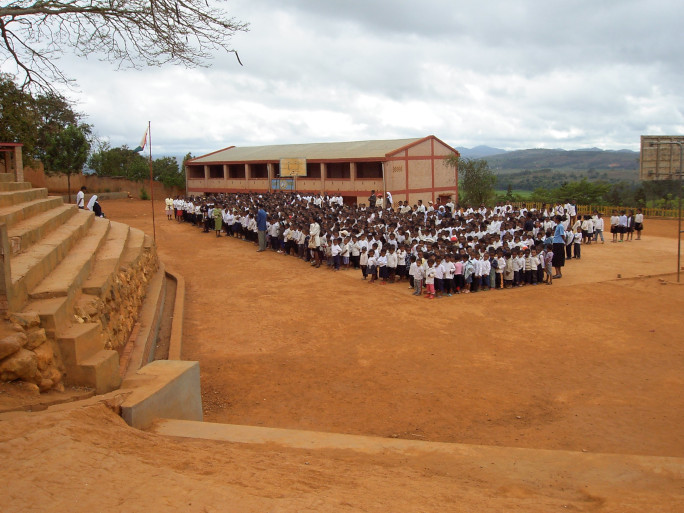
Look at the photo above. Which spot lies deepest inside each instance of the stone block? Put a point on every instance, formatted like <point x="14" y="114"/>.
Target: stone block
<point x="36" y="338"/>
<point x="9" y="346"/>
<point x="25" y="319"/>
<point x="21" y="365"/>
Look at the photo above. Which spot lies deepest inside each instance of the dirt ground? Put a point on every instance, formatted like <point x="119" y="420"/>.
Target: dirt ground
<point x="592" y="363"/>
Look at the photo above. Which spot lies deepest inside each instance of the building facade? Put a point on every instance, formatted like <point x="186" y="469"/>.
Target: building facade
<point x="659" y="159"/>
<point x="410" y="169"/>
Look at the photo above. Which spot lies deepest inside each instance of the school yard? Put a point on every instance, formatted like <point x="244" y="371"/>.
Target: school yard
<point x="592" y="364"/>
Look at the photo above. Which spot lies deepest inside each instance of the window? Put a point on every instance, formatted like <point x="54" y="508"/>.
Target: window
<point x="236" y="171"/>
<point x="368" y="170"/>
<point x="216" y="171"/>
<point x="195" y="171"/>
<point x="339" y="170"/>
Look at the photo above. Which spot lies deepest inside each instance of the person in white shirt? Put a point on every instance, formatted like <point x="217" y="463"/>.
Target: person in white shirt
<point x="80" y="198"/>
<point x="363" y="262"/>
<point x="638" y="223"/>
<point x="416" y="274"/>
<point x="577" y="243"/>
<point x="598" y="227"/>
<point x="587" y="229"/>
<point x="392" y="261"/>
<point x="622" y="225"/>
<point x="335" y="251"/>
<point x="168" y="202"/>
<point x="430" y="279"/>
<point x="372" y="266"/>
<point x="615" y="225"/>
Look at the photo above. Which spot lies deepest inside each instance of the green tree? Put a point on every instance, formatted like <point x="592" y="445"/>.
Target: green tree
<point x="583" y="192"/>
<point x="54" y="114"/>
<point x="166" y="171"/>
<point x="121" y="161"/>
<point x="32" y="120"/>
<point x="129" y="33"/>
<point x="509" y="193"/>
<point x="541" y="195"/>
<point x="18" y="116"/>
<point x="67" y="152"/>
<point x="476" y="179"/>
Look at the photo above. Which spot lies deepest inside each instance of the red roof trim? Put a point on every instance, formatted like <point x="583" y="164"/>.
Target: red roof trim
<point x="212" y="153"/>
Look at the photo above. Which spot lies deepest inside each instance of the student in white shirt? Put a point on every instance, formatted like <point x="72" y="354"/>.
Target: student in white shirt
<point x="401" y="262"/>
<point x="615" y="225"/>
<point x="598" y="227"/>
<point x="335" y="251"/>
<point x="363" y="261"/>
<point x="372" y="266"/>
<point x="638" y="223"/>
<point x="392" y="261"/>
<point x="416" y="274"/>
<point x="80" y="198"/>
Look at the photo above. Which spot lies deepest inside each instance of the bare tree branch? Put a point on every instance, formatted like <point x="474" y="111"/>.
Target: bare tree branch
<point x="128" y="33"/>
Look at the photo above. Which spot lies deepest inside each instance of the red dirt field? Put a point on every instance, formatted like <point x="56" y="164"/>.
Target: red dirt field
<point x="592" y="363"/>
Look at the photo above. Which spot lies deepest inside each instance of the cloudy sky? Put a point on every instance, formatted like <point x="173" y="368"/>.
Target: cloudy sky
<point x="511" y="74"/>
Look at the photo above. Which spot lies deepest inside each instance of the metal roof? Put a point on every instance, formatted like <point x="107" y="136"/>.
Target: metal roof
<point x="312" y="151"/>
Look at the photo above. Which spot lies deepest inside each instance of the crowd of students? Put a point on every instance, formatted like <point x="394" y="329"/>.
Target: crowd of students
<point x="444" y="248"/>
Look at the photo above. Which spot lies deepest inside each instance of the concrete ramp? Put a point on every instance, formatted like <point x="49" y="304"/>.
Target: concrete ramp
<point x="523" y="464"/>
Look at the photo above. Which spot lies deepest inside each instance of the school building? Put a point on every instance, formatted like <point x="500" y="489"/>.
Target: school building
<point x="411" y="169"/>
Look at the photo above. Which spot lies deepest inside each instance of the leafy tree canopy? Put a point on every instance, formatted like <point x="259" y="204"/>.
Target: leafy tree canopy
<point x="33" y="120"/>
<point x="476" y="179"/>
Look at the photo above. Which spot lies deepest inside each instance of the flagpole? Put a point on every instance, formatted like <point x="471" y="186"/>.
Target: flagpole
<point x="149" y="135"/>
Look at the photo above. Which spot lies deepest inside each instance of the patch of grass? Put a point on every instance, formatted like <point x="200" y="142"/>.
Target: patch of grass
<point x="518" y="192"/>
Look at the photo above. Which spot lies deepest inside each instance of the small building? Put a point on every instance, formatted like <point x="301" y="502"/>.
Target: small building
<point x="411" y="169"/>
<point x="11" y="160"/>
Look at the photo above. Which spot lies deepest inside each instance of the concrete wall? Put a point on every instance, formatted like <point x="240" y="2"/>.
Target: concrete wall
<point x="57" y="184"/>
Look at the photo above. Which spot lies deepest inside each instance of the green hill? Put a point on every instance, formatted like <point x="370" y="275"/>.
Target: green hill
<point x="530" y="169"/>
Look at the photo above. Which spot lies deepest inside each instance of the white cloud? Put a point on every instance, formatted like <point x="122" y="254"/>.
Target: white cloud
<point x="508" y="74"/>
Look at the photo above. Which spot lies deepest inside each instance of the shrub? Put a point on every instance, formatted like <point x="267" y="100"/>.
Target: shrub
<point x="143" y="194"/>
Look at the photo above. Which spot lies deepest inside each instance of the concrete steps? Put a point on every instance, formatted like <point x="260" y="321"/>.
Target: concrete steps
<point x="107" y="261"/>
<point x="15" y="186"/>
<point x="134" y="248"/>
<point x="15" y="213"/>
<point x="8" y="198"/>
<point x="86" y="363"/>
<point x="59" y="257"/>
<point x="29" y="268"/>
<point x="54" y="313"/>
<point x="70" y="273"/>
<point x="27" y="232"/>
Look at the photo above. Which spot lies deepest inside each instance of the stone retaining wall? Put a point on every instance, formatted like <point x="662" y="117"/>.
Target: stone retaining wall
<point x="119" y="310"/>
<point x="29" y="355"/>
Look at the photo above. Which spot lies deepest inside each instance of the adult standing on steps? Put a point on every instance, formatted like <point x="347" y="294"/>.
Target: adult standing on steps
<point x="261" y="227"/>
<point x="80" y="197"/>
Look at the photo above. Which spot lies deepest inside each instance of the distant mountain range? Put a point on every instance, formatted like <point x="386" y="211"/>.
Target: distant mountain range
<point x="534" y="168"/>
<point x="479" y="152"/>
<point x="564" y="160"/>
<point x="540" y="158"/>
